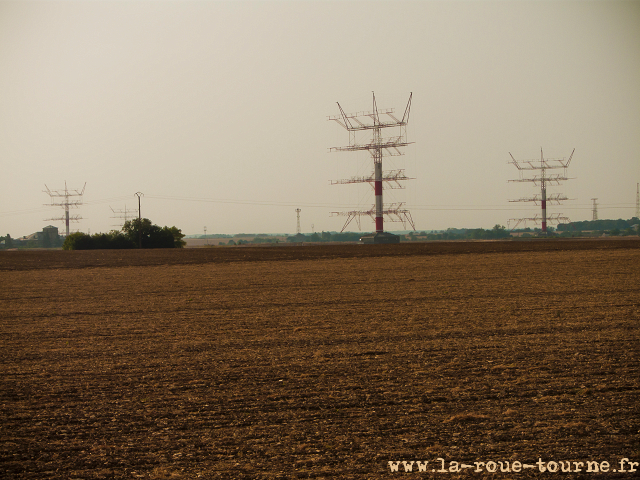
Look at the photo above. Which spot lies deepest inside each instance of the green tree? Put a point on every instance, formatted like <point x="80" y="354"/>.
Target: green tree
<point x="297" y="238"/>
<point x="8" y="242"/>
<point x="78" y="241"/>
<point x="177" y="237"/>
<point x="152" y="236"/>
<point x="499" y="231"/>
<point x="112" y="240"/>
<point x="137" y="230"/>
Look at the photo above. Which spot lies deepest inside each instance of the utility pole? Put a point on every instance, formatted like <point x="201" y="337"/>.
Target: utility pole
<point x="139" y="194"/>
<point x="205" y="235"/>
<point x="637" y="200"/>
<point x="542" y="179"/>
<point x="375" y="121"/>
<point x="66" y="203"/>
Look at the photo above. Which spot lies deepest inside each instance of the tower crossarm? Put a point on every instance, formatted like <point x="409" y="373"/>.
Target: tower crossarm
<point x="557" y="218"/>
<point x="354" y="214"/>
<point x="72" y="204"/>
<point x="385" y="144"/>
<point x="347" y="121"/>
<point x="552" y="198"/>
<point x="552" y="218"/>
<point x="530" y="165"/>
<point x="347" y="181"/>
<point x="391" y="177"/>
<point x="358" y="213"/>
<point x="557" y="198"/>
<point x="66" y="192"/>
<point x="566" y="164"/>
<point x="371" y="120"/>
<point x="362" y="121"/>
<point x="535" y="198"/>
<point x="553" y="178"/>
<point x="394" y="213"/>
<point x="72" y="218"/>
<point x="543" y="163"/>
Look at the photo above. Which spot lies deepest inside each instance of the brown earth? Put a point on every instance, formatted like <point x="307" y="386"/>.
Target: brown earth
<point x="320" y="361"/>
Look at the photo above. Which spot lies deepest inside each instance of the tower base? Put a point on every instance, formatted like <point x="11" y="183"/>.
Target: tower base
<point x="379" y="237"/>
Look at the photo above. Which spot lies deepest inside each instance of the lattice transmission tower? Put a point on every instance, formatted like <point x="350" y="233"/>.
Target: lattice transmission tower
<point x="126" y="215"/>
<point x="542" y="179"/>
<point x="637" y="200"/>
<point x="376" y="121"/>
<point x="594" y="217"/>
<point x="298" y="229"/>
<point x="66" y="202"/>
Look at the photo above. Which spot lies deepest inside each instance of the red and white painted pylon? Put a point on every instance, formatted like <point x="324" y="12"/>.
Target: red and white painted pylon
<point x="378" y="193"/>
<point x="378" y="147"/>
<point x="543" y="178"/>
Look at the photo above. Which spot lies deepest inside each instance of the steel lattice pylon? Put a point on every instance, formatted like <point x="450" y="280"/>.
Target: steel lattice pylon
<point x="379" y="146"/>
<point x="67" y="203"/>
<point x="542" y="179"/>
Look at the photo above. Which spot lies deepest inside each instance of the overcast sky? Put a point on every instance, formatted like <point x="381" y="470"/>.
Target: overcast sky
<point x="218" y="110"/>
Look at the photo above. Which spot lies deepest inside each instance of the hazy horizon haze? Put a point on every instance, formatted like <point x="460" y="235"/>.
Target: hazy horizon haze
<point x="218" y="110"/>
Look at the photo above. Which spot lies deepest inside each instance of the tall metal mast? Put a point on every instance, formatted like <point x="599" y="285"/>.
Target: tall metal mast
<point x="379" y="146"/>
<point x="542" y="179"/>
<point x="126" y="214"/>
<point x="66" y="202"/>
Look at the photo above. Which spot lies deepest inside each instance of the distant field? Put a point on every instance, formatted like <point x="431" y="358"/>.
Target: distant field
<point x="213" y="241"/>
<point x="320" y="361"/>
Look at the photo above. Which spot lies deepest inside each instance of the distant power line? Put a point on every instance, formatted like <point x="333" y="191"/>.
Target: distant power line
<point x="470" y="207"/>
<point x="27" y="211"/>
<point x="430" y="207"/>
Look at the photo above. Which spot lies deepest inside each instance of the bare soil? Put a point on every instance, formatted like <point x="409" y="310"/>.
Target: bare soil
<point x="320" y="361"/>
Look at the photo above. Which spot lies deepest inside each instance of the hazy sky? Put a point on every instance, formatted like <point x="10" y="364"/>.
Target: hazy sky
<point x="218" y="110"/>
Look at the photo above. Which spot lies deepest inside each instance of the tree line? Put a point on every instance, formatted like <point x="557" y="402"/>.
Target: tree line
<point x="497" y="232"/>
<point x="134" y="234"/>
<point x="612" y="227"/>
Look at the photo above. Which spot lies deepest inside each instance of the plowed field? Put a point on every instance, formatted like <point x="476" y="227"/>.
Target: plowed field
<point x="322" y="361"/>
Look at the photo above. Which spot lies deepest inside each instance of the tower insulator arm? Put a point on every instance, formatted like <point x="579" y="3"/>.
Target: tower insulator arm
<point x="405" y="117"/>
<point x="570" y="157"/>
<point x="347" y="123"/>
<point x="515" y="162"/>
